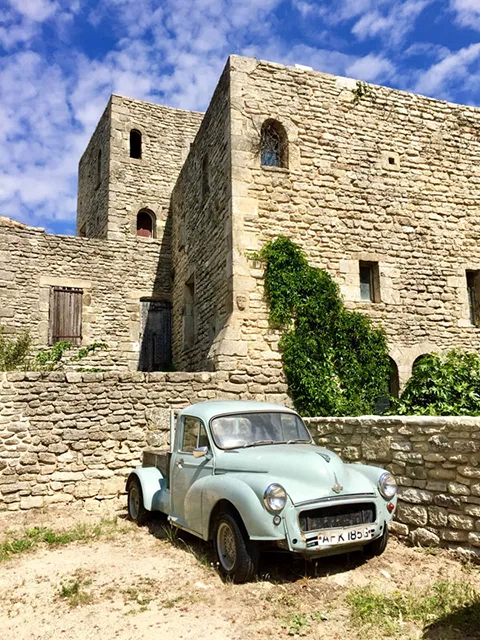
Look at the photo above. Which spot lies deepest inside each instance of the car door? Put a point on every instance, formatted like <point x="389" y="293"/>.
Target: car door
<point x="188" y="472"/>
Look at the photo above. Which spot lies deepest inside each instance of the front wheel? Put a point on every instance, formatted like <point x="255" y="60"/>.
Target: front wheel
<point x="378" y="546"/>
<point x="237" y="556"/>
<point x="136" y="510"/>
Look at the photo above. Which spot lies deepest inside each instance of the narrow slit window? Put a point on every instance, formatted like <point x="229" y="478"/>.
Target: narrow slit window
<point x="135" y="144"/>
<point x="99" y="167"/>
<point x="369" y="281"/>
<point x="189" y="319"/>
<point x="205" y="177"/>
<point x="473" y="291"/>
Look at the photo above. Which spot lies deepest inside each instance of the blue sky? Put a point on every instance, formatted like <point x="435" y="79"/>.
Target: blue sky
<point x="61" y="60"/>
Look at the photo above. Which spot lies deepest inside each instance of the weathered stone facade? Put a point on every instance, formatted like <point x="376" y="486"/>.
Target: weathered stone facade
<point x="436" y="462"/>
<point x="386" y="178"/>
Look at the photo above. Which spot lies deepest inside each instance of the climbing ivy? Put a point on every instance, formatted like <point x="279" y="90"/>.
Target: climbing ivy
<point x="446" y="384"/>
<point x="335" y="361"/>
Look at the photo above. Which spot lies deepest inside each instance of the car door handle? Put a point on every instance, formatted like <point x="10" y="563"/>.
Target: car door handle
<point x="179" y="463"/>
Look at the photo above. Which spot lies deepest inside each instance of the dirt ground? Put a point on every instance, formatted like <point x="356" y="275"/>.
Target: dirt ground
<point x="142" y="583"/>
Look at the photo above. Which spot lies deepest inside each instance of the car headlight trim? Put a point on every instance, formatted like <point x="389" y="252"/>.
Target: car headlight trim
<point x="387" y="485"/>
<point x="275" y="498"/>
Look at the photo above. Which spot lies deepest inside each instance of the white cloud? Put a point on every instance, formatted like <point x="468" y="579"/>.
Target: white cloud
<point x="394" y="24"/>
<point x="36" y="10"/>
<point x="467" y="13"/>
<point x="372" y="68"/>
<point x="455" y="69"/>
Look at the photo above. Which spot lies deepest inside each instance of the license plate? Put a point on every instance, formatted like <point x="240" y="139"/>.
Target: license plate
<point x="345" y="536"/>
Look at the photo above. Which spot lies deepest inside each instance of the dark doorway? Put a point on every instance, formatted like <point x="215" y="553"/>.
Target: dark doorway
<point x="156" y="335"/>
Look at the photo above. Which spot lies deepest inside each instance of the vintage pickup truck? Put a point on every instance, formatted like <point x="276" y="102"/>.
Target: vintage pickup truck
<point x="248" y="476"/>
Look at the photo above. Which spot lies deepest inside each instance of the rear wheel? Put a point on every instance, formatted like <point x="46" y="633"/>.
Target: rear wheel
<point x="378" y="546"/>
<point x="237" y="555"/>
<point x="136" y="510"/>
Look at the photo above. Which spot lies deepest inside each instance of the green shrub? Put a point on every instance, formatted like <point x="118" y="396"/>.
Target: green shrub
<point x="14" y="352"/>
<point x="445" y="384"/>
<point x="18" y="354"/>
<point x="336" y="363"/>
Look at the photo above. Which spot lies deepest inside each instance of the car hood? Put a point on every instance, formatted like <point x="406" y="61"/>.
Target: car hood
<point x="307" y="472"/>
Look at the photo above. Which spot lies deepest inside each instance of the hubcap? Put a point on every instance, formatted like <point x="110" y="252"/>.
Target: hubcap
<point x="134" y="501"/>
<point x="226" y="547"/>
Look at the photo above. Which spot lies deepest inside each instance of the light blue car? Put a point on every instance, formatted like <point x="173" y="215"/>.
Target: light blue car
<point x="248" y="476"/>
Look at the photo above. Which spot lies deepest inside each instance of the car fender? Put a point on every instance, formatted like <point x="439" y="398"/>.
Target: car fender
<point x="257" y="520"/>
<point x="153" y="485"/>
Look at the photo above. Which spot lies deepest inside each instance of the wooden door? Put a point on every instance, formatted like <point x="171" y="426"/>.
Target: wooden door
<point x="156" y="335"/>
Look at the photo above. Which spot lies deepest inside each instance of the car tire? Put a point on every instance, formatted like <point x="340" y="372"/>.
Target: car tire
<point x="378" y="546"/>
<point x="136" y="509"/>
<point x="236" y="555"/>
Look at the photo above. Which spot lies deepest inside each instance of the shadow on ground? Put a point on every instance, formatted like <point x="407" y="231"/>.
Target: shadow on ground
<point x="462" y="624"/>
<point x="274" y="566"/>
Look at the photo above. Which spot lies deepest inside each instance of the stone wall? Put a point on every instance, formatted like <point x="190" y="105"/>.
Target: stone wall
<point x="114" y="276"/>
<point x="436" y="461"/>
<point x="392" y="178"/>
<point x="74" y="437"/>
<point x="202" y="243"/>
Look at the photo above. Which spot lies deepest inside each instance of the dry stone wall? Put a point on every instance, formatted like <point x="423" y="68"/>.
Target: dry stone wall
<point x="392" y="178"/>
<point x="114" y="276"/>
<point x="74" y="438"/>
<point x="436" y="461"/>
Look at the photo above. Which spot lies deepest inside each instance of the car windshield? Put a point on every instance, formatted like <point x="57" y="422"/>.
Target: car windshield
<point x="255" y="429"/>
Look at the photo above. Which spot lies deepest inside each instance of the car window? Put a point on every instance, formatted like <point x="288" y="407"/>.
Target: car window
<point x="190" y="433"/>
<point x="248" y="429"/>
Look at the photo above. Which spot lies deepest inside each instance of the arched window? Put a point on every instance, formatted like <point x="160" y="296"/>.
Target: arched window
<point x="135" y="144"/>
<point x="273" y="145"/>
<point x="99" y="167"/>
<point x="394" y="381"/>
<point x="146" y="224"/>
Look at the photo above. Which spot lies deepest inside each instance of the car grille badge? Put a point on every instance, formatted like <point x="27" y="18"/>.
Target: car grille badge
<point x="337" y="487"/>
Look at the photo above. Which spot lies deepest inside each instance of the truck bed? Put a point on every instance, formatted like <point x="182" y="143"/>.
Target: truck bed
<point x="159" y="458"/>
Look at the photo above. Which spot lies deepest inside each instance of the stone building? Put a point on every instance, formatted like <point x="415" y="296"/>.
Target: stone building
<point x="378" y="186"/>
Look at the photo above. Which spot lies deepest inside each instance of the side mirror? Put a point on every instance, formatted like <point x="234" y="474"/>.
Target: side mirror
<point x="199" y="452"/>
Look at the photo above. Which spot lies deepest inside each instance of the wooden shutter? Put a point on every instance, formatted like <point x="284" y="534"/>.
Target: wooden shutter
<point x="66" y="315"/>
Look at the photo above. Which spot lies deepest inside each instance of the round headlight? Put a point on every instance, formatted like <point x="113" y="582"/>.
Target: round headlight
<point x="275" y="498"/>
<point x="387" y="485"/>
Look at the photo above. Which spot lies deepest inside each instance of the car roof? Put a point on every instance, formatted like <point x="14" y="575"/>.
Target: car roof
<point x="207" y="410"/>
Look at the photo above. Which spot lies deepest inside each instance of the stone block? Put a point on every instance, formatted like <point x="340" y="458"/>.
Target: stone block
<point x="425" y="538"/>
<point x="31" y="502"/>
<point x="412" y="515"/>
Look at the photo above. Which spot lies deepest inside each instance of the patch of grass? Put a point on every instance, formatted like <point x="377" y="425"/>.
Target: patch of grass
<point x="390" y="611"/>
<point x="299" y="624"/>
<point x="74" y="592"/>
<point x="106" y="528"/>
<point x="428" y="551"/>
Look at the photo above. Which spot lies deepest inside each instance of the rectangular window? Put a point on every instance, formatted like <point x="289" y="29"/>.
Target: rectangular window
<point x="369" y="281"/>
<point x="473" y="290"/>
<point x="65" y="315"/>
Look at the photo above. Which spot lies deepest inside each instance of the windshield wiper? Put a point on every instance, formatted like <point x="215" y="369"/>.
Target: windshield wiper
<point x="258" y="442"/>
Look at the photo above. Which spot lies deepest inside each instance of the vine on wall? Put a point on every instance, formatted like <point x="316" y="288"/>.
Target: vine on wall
<point x="335" y="361"/>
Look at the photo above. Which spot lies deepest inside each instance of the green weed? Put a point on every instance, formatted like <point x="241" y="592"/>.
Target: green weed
<point x="43" y="535"/>
<point x="389" y="612"/>
<point x="74" y="591"/>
